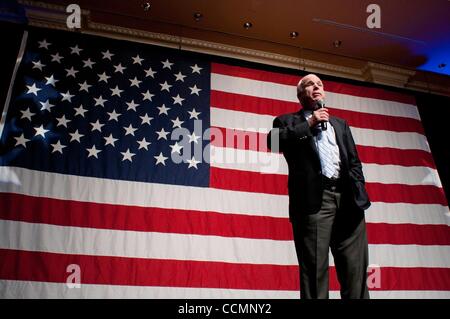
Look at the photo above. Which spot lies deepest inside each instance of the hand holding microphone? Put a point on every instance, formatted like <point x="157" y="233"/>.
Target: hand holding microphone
<point x="323" y="123"/>
<point x="320" y="115"/>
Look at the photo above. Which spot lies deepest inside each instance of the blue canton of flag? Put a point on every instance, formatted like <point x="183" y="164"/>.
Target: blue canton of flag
<point x="96" y="107"/>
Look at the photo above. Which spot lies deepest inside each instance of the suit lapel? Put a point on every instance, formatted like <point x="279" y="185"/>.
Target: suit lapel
<point x="300" y="117"/>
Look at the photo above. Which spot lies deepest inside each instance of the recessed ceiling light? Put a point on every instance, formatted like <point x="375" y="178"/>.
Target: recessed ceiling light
<point x="442" y="65"/>
<point x="337" y="43"/>
<point x="293" y="34"/>
<point x="248" y="25"/>
<point x="198" y="16"/>
<point x="146" y="6"/>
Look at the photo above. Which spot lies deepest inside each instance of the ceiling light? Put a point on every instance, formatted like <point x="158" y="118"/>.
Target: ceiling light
<point x="146" y="6"/>
<point x="442" y="65"/>
<point x="198" y="16"/>
<point x="337" y="43"/>
<point x="293" y="34"/>
<point x="248" y="25"/>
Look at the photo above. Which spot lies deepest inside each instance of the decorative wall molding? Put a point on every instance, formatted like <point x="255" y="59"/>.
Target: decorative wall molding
<point x="383" y="74"/>
<point x="429" y="87"/>
<point x="51" y="16"/>
<point x="41" y="14"/>
<point x="226" y="50"/>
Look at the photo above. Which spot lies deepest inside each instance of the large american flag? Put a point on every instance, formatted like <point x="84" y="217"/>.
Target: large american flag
<point x="147" y="168"/>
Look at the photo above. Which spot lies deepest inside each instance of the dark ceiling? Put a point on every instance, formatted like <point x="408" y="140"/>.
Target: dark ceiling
<point x="413" y="34"/>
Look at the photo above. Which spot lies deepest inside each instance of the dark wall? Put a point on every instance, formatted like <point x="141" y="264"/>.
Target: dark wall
<point x="435" y="113"/>
<point x="11" y="38"/>
<point x="434" y="110"/>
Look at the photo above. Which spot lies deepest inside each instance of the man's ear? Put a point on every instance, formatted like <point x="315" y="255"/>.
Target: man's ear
<point x="301" y="99"/>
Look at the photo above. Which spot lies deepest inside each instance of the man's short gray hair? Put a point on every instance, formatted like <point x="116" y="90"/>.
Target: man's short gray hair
<point x="299" y="88"/>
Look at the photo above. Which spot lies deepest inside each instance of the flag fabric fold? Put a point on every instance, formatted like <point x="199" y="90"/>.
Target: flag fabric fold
<point x="138" y="171"/>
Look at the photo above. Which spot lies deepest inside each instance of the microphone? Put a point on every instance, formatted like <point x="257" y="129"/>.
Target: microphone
<point x="321" y="104"/>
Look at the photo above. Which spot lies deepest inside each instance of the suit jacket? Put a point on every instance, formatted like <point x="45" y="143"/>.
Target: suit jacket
<point x="296" y="141"/>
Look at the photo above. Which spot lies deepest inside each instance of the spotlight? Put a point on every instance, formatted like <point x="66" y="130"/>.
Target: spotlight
<point x="337" y="43"/>
<point x="293" y="34"/>
<point x="198" y="16"/>
<point x="248" y="25"/>
<point x="146" y="6"/>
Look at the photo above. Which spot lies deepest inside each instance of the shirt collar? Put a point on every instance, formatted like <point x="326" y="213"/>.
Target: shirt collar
<point x="307" y="113"/>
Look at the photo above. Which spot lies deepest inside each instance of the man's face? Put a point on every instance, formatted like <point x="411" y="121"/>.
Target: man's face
<point x="312" y="91"/>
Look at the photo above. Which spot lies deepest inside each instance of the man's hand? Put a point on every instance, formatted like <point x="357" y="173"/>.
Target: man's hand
<point x="319" y="115"/>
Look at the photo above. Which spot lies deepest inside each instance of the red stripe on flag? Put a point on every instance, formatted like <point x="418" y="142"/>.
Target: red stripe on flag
<point x="400" y="193"/>
<point x="393" y="278"/>
<point x="407" y="234"/>
<point x="395" y="156"/>
<point x="246" y="181"/>
<point x="246" y="140"/>
<point x="368" y="92"/>
<point x="149" y="219"/>
<point x="238" y="139"/>
<point x="103" y="216"/>
<point x="264" y="106"/>
<point x="254" y="74"/>
<point x="331" y="86"/>
<point x="379" y="122"/>
<point x="105" y="270"/>
<point x="51" y="267"/>
<point x="277" y="184"/>
<point x="251" y="104"/>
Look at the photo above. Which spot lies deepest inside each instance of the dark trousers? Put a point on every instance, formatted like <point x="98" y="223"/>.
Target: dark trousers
<point x="342" y="229"/>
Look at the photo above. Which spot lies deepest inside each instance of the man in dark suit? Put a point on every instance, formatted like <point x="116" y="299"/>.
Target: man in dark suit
<point x="327" y="195"/>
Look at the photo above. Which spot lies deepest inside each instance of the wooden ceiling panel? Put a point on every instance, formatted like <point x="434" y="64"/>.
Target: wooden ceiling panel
<point x="413" y="33"/>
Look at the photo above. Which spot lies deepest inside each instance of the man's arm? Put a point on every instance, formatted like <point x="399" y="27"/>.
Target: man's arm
<point x="356" y="172"/>
<point x="282" y="132"/>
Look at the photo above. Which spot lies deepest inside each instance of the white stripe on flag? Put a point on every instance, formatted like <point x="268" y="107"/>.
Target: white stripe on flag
<point x="102" y="242"/>
<point x="404" y="213"/>
<point x="89" y="189"/>
<point x="402" y="294"/>
<point x="135" y="244"/>
<point x="397" y="174"/>
<point x="288" y="93"/>
<point x="247" y="160"/>
<point x="244" y="121"/>
<point x="400" y="140"/>
<point x="11" y="289"/>
<point x="263" y="123"/>
<point x="274" y="163"/>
